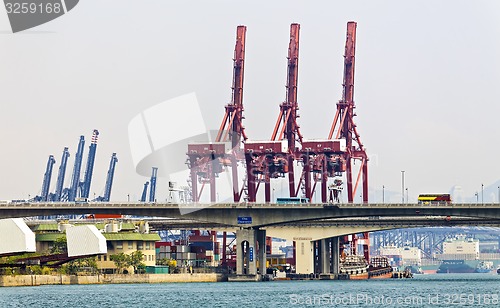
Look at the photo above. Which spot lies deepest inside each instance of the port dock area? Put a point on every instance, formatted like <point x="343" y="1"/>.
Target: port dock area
<point x="37" y="280"/>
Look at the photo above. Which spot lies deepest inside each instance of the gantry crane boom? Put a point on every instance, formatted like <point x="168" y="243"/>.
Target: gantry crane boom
<point x="109" y="179"/>
<point x="61" y="174"/>
<point x="232" y="122"/>
<point x="152" y="188"/>
<point x="75" y="178"/>
<point x="144" y="192"/>
<point x="46" y="180"/>
<point x="90" y="165"/>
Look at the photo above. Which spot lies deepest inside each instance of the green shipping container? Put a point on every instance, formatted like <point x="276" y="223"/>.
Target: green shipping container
<point x="157" y="270"/>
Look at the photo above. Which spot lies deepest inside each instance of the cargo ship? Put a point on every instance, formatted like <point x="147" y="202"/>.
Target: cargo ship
<point x="455" y="266"/>
<point x="465" y="266"/>
<point x="460" y="255"/>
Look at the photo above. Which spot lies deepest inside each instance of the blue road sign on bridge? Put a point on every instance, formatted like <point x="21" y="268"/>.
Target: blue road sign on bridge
<point x="245" y="220"/>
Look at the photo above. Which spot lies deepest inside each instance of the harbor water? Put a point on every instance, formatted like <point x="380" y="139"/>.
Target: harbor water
<point x="437" y="290"/>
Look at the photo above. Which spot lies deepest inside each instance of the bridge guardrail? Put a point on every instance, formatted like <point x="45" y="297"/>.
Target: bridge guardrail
<point x="243" y="205"/>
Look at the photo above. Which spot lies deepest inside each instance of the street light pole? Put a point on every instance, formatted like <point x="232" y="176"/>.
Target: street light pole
<point x="482" y="194"/>
<point x="477" y="197"/>
<point x="403" y="186"/>
<point x="383" y="193"/>
<point x="407" y="195"/>
<point x="498" y="194"/>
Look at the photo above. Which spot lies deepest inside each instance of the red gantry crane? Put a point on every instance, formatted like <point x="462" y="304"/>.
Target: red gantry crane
<point x="273" y="159"/>
<point x="333" y="157"/>
<point x="343" y="125"/>
<point x="206" y="161"/>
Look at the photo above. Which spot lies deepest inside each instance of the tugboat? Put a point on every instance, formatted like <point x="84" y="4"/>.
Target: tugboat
<point x="414" y="269"/>
<point x="484" y="267"/>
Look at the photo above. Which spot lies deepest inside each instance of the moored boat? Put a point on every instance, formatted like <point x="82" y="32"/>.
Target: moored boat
<point x="455" y="266"/>
<point x="484" y="267"/>
<point x="354" y="267"/>
<point x="379" y="268"/>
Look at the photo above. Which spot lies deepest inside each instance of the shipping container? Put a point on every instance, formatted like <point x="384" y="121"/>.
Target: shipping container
<point x="206" y="245"/>
<point x="160" y="244"/>
<point x="198" y="249"/>
<point x="182" y="248"/>
<point x="200" y="238"/>
<point x="160" y="269"/>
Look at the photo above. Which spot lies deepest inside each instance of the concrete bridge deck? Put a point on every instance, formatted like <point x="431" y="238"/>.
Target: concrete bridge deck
<point x="253" y="214"/>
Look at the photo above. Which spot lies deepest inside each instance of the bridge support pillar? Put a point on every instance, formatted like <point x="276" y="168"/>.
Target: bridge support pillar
<point x="304" y="256"/>
<point x="325" y="256"/>
<point x="261" y="239"/>
<point x="335" y="253"/>
<point x="251" y="246"/>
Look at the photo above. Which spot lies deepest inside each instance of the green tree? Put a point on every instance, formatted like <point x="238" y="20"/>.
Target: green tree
<point x="81" y="265"/>
<point x="60" y="245"/>
<point x="162" y="261"/>
<point x="121" y="261"/>
<point x="136" y="259"/>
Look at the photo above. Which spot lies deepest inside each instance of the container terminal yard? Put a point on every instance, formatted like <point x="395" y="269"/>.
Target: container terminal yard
<point x="257" y="236"/>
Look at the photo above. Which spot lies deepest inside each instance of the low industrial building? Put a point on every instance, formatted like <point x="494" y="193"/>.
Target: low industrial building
<point x="121" y="237"/>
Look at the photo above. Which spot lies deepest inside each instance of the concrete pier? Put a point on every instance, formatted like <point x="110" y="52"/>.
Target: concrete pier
<point x="251" y="247"/>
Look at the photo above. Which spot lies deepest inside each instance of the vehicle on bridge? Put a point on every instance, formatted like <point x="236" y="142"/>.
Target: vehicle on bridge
<point x="434" y="199"/>
<point x="292" y="200"/>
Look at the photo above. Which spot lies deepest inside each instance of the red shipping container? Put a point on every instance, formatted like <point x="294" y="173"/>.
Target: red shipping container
<point x="200" y="238"/>
<point x="162" y="244"/>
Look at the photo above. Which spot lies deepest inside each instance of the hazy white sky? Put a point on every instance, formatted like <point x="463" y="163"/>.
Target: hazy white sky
<point x="427" y="83"/>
